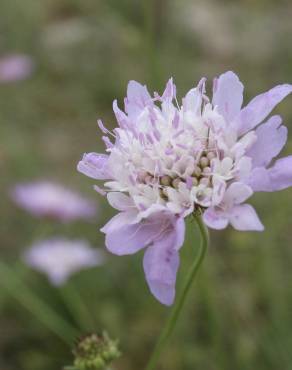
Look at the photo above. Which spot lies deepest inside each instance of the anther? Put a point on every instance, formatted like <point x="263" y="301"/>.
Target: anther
<point x="211" y="155"/>
<point x="204" y="181"/>
<point x="207" y="171"/>
<point x="165" y="180"/>
<point x="148" y="179"/>
<point x="197" y="171"/>
<point x="176" y="182"/>
<point x="204" y="162"/>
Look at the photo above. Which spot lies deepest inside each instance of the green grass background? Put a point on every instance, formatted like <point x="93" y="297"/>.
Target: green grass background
<point x="239" y="313"/>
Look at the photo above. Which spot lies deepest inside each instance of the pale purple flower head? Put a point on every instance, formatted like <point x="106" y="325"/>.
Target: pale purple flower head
<point x="60" y="258"/>
<point x="166" y="160"/>
<point x="15" y="67"/>
<point x="47" y="199"/>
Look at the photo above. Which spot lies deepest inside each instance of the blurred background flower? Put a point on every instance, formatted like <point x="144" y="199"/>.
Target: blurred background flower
<point x="239" y="313"/>
<point x="47" y="199"/>
<point x="59" y="258"/>
<point x="15" y="67"/>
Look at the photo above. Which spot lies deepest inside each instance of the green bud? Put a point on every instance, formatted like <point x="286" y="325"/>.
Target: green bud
<point x="95" y="352"/>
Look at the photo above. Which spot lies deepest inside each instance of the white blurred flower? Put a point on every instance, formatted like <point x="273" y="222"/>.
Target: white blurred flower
<point x="47" y="199"/>
<point x="66" y="33"/>
<point x="225" y="32"/>
<point x="59" y="258"/>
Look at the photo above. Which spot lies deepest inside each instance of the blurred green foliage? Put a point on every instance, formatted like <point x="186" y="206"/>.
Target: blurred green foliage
<point x="239" y="315"/>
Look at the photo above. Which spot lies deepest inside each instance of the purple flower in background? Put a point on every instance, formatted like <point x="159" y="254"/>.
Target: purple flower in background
<point x="167" y="161"/>
<point x="15" y="67"/>
<point x="47" y="199"/>
<point x="59" y="258"/>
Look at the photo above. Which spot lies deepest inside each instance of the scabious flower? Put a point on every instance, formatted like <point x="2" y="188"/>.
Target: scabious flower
<point x="59" y="258"/>
<point x="47" y="199"/>
<point x="15" y="67"/>
<point x="167" y="161"/>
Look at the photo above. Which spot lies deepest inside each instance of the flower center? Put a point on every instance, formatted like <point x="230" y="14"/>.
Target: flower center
<point x="201" y="178"/>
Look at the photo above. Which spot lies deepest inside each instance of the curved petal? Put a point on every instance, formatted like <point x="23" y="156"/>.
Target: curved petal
<point x="169" y="92"/>
<point x="152" y="210"/>
<point x="120" y="201"/>
<point x="244" y="217"/>
<point x="161" y="262"/>
<point x="228" y="95"/>
<point x="243" y="168"/>
<point x="137" y="99"/>
<point x="192" y="102"/>
<point x="120" y="220"/>
<point x="180" y="230"/>
<point x="121" y="117"/>
<point x="94" y="165"/>
<point x="259" y="107"/>
<point x="160" y="266"/>
<point x="259" y="179"/>
<point x="219" y="187"/>
<point x="281" y="173"/>
<point x="237" y="193"/>
<point x="130" y="238"/>
<point x="215" y="219"/>
<point x="271" y="137"/>
<point x="276" y="178"/>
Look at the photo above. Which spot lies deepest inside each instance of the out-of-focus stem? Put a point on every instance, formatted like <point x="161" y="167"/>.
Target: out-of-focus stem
<point x="45" y="314"/>
<point x="77" y="307"/>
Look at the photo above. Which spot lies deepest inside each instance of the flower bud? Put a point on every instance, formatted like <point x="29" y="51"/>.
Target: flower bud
<point x="95" y="352"/>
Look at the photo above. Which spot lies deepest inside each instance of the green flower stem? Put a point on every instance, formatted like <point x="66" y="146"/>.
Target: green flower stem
<point x="170" y="324"/>
<point x="77" y="307"/>
<point x="15" y="286"/>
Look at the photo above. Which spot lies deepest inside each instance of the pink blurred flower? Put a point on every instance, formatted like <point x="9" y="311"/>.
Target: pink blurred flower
<point x="15" y="67"/>
<point x="47" y="199"/>
<point x="59" y="258"/>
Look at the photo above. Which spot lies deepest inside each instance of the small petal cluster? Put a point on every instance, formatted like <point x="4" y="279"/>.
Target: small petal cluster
<point x="59" y="258"/>
<point x="15" y="67"/>
<point x="164" y="161"/>
<point x="47" y="199"/>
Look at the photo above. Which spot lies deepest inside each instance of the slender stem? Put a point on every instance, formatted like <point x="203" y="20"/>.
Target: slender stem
<point x="170" y="324"/>
<point x="15" y="286"/>
<point x="77" y="307"/>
